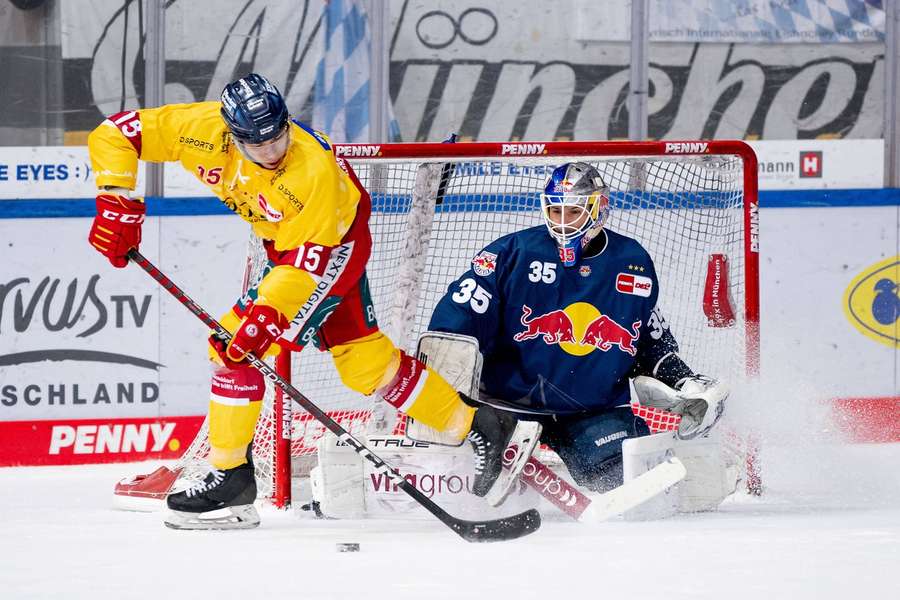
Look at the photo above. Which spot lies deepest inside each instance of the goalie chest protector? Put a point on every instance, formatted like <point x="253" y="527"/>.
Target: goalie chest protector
<point x="580" y="329"/>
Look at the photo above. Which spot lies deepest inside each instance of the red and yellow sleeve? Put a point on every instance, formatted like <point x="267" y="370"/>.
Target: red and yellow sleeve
<point x="150" y="134"/>
<point x="114" y="157"/>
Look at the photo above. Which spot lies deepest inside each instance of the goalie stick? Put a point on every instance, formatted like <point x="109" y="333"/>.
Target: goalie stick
<point x="507" y="528"/>
<point x="595" y="508"/>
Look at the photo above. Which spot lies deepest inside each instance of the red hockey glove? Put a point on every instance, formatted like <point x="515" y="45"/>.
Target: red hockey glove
<point x="261" y="326"/>
<point x="117" y="227"/>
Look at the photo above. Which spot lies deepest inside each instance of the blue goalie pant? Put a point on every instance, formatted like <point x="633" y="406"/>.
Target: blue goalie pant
<point x="591" y="445"/>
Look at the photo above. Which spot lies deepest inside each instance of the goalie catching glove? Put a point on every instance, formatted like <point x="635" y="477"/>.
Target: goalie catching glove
<point x="700" y="400"/>
<point x="261" y="326"/>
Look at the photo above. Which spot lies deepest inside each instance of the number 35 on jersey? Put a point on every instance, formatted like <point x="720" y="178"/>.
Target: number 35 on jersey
<point x="478" y="298"/>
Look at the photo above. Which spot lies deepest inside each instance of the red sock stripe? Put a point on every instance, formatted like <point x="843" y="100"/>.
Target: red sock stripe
<point x="399" y="392"/>
<point x="238" y="384"/>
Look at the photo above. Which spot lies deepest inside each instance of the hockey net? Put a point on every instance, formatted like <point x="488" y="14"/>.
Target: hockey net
<point x="692" y="205"/>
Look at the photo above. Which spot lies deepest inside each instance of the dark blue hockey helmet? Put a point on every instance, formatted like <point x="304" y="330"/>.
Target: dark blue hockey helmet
<point x="575" y="205"/>
<point x="254" y="109"/>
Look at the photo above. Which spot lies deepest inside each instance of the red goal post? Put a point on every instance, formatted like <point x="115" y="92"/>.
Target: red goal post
<point x="692" y="204"/>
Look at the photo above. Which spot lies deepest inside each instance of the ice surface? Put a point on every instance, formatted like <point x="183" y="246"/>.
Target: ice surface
<point x="829" y="529"/>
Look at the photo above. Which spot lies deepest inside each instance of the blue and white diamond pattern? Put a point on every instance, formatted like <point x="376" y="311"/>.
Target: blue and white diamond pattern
<point x="770" y="20"/>
<point x="341" y="99"/>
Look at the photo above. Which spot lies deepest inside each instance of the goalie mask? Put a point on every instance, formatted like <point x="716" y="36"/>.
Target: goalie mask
<point x="575" y="204"/>
<point x="257" y="117"/>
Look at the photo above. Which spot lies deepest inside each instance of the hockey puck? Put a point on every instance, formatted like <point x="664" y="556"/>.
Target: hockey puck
<point x="348" y="547"/>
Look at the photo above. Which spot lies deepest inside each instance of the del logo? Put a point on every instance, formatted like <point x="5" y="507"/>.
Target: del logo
<point x="637" y="285"/>
<point x="871" y="301"/>
<point x="485" y="263"/>
<point x="271" y="214"/>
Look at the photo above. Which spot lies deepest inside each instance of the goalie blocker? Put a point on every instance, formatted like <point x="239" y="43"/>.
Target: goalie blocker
<point x="458" y="359"/>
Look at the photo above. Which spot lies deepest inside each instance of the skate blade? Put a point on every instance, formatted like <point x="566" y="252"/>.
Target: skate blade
<point x="524" y="440"/>
<point x="232" y="517"/>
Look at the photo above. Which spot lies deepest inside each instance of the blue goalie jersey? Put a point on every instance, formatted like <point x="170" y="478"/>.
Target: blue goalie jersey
<point x="559" y="340"/>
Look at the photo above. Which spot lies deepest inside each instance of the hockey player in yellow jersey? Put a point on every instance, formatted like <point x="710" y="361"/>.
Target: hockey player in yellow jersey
<point x="312" y="213"/>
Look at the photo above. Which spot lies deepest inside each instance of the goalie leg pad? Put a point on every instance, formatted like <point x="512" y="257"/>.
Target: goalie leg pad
<point x="712" y="473"/>
<point x="337" y="481"/>
<point x="346" y="486"/>
<point x="641" y="455"/>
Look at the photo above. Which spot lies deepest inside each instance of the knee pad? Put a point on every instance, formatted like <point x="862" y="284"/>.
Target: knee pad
<point x="591" y="447"/>
<point x="364" y="364"/>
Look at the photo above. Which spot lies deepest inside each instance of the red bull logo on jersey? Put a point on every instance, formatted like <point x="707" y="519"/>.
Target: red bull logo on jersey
<point x="484" y="264"/>
<point x="579" y="329"/>
<point x="604" y="333"/>
<point x="554" y="326"/>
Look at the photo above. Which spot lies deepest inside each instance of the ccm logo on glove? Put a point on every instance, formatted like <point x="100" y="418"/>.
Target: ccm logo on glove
<point x="123" y="217"/>
<point x="117" y="227"/>
<point x="262" y="325"/>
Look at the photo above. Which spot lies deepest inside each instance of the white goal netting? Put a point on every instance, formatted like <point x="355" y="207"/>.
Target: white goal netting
<point x="431" y="216"/>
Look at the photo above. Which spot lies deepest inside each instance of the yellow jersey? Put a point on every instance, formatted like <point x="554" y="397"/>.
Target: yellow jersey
<point x="308" y="198"/>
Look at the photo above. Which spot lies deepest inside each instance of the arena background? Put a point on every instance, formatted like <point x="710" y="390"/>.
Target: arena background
<point x="805" y="82"/>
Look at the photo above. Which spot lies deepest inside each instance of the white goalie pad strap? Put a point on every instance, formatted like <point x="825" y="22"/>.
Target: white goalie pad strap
<point x="711" y="473"/>
<point x="337" y="481"/>
<point x="457" y="359"/>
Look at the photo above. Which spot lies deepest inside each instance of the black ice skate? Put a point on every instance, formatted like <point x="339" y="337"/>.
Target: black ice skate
<point x="222" y="500"/>
<point x="492" y="431"/>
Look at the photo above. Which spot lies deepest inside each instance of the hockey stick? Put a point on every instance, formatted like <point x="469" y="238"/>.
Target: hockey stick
<point x="507" y="528"/>
<point x="595" y="508"/>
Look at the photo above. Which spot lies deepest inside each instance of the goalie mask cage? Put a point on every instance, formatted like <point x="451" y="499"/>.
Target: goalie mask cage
<point x="692" y="205"/>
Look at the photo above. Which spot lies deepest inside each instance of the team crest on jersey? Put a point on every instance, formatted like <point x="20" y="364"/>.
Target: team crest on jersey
<point x="584" y="270"/>
<point x="636" y="285"/>
<point x="485" y="263"/>
<point x="271" y="214"/>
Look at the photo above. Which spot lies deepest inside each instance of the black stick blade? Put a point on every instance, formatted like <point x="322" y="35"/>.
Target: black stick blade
<point x="499" y="530"/>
